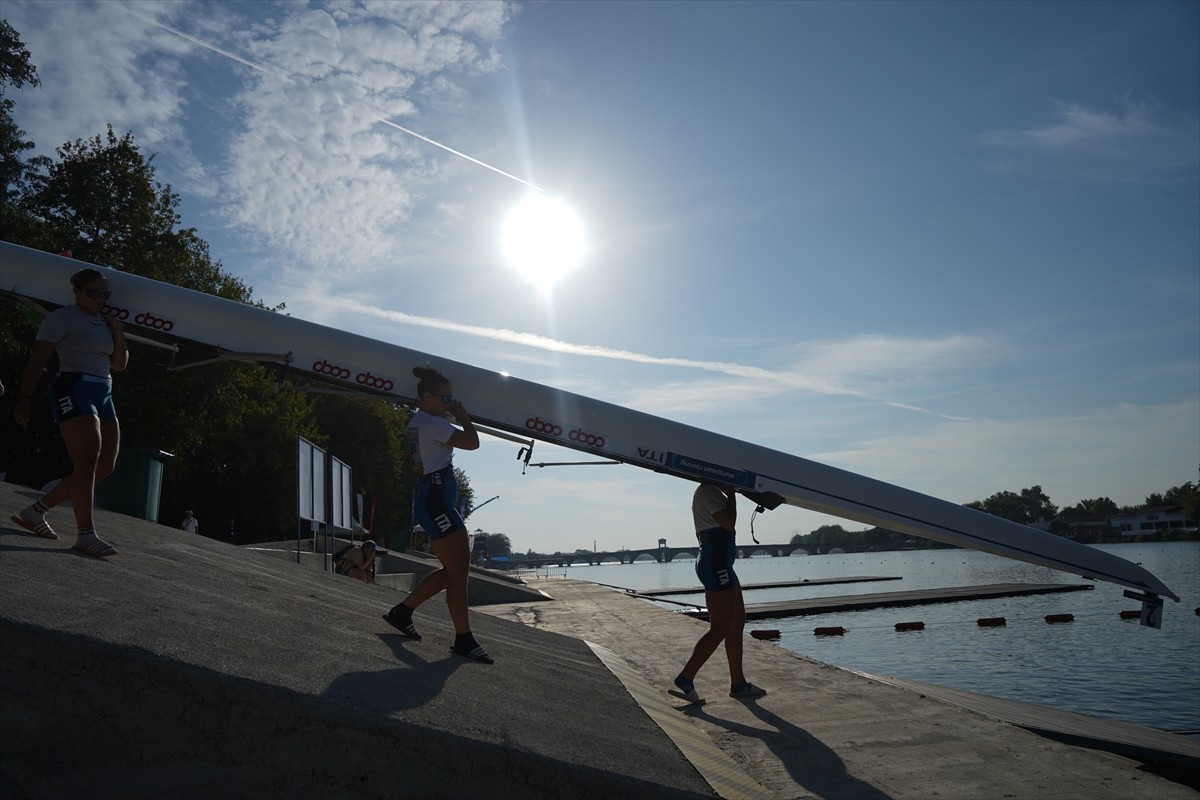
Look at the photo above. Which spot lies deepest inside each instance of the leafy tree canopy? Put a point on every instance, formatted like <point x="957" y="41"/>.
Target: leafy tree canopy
<point x="230" y="427"/>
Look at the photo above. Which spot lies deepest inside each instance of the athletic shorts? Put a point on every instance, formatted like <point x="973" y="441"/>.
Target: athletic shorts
<point x="435" y="506"/>
<point x="74" y="394"/>
<point x="717" y="554"/>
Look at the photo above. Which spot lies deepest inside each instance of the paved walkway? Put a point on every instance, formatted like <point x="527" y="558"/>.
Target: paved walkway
<point x="229" y="673"/>
<point x="828" y="733"/>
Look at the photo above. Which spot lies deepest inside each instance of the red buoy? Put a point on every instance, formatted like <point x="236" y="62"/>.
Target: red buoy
<point x="910" y="626"/>
<point x="1131" y="614"/>
<point x="992" y="622"/>
<point x="772" y="634"/>
<point x="836" y="630"/>
<point x="1053" y="618"/>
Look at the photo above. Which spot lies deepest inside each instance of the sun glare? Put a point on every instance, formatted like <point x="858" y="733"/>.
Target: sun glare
<point x="543" y="240"/>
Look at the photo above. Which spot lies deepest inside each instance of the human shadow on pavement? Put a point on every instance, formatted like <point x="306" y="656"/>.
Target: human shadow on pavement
<point x="393" y="690"/>
<point x="812" y="764"/>
<point x="15" y="539"/>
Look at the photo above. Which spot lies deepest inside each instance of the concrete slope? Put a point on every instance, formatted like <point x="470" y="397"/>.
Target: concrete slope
<point x="186" y="667"/>
<point x="829" y="733"/>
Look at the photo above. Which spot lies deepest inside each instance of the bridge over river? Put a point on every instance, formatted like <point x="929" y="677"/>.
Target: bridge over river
<point x="661" y="554"/>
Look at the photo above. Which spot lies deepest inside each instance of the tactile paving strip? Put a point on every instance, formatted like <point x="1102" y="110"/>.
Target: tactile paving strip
<point x="721" y="772"/>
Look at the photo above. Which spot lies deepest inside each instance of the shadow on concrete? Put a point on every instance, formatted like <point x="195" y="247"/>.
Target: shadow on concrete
<point x="808" y="760"/>
<point x="189" y="668"/>
<point x="393" y="691"/>
<point x="13" y="540"/>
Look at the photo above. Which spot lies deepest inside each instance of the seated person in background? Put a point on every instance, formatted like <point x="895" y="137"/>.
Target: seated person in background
<point x="359" y="562"/>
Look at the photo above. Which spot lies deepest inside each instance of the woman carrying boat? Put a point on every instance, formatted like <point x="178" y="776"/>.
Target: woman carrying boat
<point x="90" y="347"/>
<point x="714" y="513"/>
<point x="433" y="440"/>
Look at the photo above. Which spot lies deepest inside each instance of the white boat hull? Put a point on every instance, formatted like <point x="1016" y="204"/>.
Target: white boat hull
<point x="543" y="413"/>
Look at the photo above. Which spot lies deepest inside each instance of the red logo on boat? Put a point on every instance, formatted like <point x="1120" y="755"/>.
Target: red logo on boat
<point x="373" y="381"/>
<point x="150" y="321"/>
<point x="323" y="367"/>
<point x="543" y="426"/>
<point x="583" y="437"/>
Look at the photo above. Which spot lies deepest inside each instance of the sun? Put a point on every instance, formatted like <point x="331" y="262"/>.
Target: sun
<point x="543" y="240"/>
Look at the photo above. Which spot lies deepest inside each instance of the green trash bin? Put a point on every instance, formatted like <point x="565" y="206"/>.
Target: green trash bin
<point x="135" y="486"/>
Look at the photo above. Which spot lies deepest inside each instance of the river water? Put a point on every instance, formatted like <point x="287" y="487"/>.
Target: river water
<point x="1099" y="664"/>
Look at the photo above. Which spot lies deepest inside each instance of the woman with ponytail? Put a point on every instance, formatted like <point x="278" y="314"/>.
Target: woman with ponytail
<point x="433" y="439"/>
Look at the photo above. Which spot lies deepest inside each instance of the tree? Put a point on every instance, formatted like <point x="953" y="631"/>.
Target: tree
<point x="102" y="201"/>
<point x="15" y="67"/>
<point x="498" y="544"/>
<point x="15" y="72"/>
<point x="371" y="435"/>
<point x="1099" y="507"/>
<point x="1187" y="495"/>
<point x="466" y="495"/>
<point x="1028" y="507"/>
<point x="231" y="427"/>
<point x="236" y="459"/>
<point x="1096" y="508"/>
<point x="16" y="175"/>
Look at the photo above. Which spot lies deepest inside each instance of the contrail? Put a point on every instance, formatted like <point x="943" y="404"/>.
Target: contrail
<point x="277" y="73"/>
<point x="455" y="152"/>
<point x="783" y="379"/>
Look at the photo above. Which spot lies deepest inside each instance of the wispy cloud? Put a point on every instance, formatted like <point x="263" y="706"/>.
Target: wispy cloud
<point x="305" y="108"/>
<point x="313" y="147"/>
<point x="828" y="368"/>
<point x="1131" y="141"/>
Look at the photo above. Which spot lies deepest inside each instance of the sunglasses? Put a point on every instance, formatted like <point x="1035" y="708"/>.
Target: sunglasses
<point x="446" y="398"/>
<point x="98" y="294"/>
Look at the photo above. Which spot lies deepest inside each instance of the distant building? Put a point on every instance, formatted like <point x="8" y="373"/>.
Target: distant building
<point x="1092" y="526"/>
<point x="1150" y="520"/>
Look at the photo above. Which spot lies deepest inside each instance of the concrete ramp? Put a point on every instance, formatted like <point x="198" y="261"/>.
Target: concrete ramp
<point x="188" y="668"/>
<point x="402" y="570"/>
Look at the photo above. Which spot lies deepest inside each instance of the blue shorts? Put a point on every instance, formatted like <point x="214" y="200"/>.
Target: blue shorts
<point x="717" y="554"/>
<point x="435" y="506"/>
<point x="74" y="394"/>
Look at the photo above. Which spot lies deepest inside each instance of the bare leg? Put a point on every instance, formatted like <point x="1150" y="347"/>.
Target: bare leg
<point x="722" y="615"/>
<point x="110" y="446"/>
<point x="82" y="438"/>
<point x="452" y="551"/>
<point x="733" y="637"/>
<point x="427" y="587"/>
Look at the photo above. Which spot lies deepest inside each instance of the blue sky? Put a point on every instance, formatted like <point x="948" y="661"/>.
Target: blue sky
<point x="952" y="246"/>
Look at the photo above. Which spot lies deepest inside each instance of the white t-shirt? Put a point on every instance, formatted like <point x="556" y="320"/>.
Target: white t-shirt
<point x="83" y="341"/>
<point x="431" y="434"/>
<point x="190" y="524"/>
<point x="707" y="500"/>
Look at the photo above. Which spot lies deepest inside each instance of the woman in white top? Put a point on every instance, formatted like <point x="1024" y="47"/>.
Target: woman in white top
<point x="90" y="347"/>
<point x="432" y="439"/>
